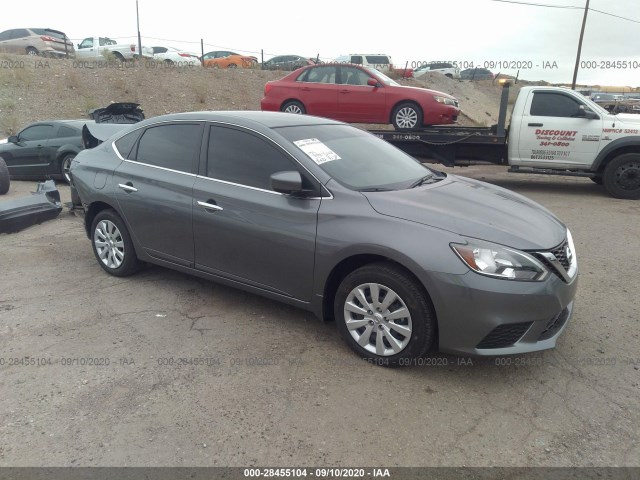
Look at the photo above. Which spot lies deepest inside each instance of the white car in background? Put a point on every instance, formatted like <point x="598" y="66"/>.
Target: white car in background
<point x="445" y="68"/>
<point x="175" y="56"/>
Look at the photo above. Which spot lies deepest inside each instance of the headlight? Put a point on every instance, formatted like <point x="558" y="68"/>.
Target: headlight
<point x="444" y="100"/>
<point x="498" y="261"/>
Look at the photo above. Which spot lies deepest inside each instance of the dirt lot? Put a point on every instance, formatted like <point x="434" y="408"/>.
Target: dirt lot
<point x="189" y="373"/>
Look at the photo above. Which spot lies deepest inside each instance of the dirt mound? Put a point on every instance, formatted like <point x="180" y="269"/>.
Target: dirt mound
<point x="39" y="89"/>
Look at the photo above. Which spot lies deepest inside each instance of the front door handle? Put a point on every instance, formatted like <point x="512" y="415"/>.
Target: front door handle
<point x="127" y="188"/>
<point x="210" y="206"/>
<point x="534" y="124"/>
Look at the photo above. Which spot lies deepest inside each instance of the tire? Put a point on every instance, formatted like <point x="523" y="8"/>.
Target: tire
<point x="168" y="62"/>
<point x="232" y="65"/>
<point x="32" y="51"/>
<point x="373" y="336"/>
<point x="118" y="56"/>
<point x="5" y="181"/>
<point x="448" y="75"/>
<point x="110" y="239"/>
<point x="407" y="116"/>
<point x="65" y="166"/>
<point x="293" y="106"/>
<point x="597" y="179"/>
<point x="621" y="176"/>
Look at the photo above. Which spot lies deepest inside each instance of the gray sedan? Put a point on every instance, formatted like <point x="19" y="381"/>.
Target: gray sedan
<point x="329" y="218"/>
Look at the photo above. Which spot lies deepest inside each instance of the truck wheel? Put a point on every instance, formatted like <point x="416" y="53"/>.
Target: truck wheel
<point x="384" y="315"/>
<point x="407" y="116"/>
<point x="5" y="181"/>
<point x="622" y="176"/>
<point x="118" y="56"/>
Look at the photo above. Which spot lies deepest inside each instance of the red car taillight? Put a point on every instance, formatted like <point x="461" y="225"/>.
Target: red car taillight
<point x="267" y="88"/>
<point x="47" y="38"/>
<point x="132" y="47"/>
<point x="187" y="55"/>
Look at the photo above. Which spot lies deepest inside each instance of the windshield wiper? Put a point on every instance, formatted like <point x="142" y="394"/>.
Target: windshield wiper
<point x="424" y="180"/>
<point x="375" y="189"/>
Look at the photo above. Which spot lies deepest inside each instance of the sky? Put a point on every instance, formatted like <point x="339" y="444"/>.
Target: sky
<point x="540" y="42"/>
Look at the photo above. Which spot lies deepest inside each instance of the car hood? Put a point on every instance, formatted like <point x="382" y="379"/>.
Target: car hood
<point x="474" y="209"/>
<point x="629" y="118"/>
<point x="423" y="90"/>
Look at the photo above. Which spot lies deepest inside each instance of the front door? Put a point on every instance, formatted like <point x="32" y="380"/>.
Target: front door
<point x="243" y="230"/>
<point x="553" y="133"/>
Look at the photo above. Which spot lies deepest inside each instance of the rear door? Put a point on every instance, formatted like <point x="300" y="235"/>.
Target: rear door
<point x="318" y="91"/>
<point x="553" y="133"/>
<point x="243" y="230"/>
<point x="154" y="187"/>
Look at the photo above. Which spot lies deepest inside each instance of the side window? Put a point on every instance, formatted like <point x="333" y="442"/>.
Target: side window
<point x="86" y="43"/>
<point x="353" y="76"/>
<point x="20" y="33"/>
<point x="37" y="132"/>
<point x="321" y="75"/>
<point x="174" y="146"/>
<point x="125" y="144"/>
<point x="241" y="157"/>
<point x="357" y="59"/>
<point x="5" y="35"/>
<point x="378" y="59"/>
<point x="553" y="105"/>
<point x="64" y="132"/>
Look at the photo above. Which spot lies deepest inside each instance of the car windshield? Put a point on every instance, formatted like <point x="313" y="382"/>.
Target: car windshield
<point x="386" y="80"/>
<point x="355" y="158"/>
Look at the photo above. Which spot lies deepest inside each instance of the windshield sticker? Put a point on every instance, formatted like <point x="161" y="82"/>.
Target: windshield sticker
<point x="316" y="150"/>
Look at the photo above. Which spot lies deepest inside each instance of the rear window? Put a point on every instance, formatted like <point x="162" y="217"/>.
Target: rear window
<point x="67" y="132"/>
<point x="378" y="59"/>
<point x="438" y="65"/>
<point x="51" y="33"/>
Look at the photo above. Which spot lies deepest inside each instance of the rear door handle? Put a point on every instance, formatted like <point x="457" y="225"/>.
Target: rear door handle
<point x="534" y="124"/>
<point x="127" y="187"/>
<point x="210" y="206"/>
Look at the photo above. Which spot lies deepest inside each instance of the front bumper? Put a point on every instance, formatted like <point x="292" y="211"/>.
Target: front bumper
<point x="479" y="315"/>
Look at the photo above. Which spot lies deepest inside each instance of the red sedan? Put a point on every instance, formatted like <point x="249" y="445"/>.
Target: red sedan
<point x="356" y="94"/>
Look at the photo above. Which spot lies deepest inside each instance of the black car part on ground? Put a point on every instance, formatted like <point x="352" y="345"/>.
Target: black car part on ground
<point x="42" y="205"/>
<point x="5" y="181"/>
<point x="124" y="112"/>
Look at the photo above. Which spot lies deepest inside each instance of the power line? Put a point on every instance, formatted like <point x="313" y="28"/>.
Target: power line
<point x="568" y="7"/>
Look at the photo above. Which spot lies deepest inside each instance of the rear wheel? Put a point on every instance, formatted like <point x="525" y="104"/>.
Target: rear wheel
<point x="293" y="106"/>
<point x="5" y="181"/>
<point x="118" y="56"/>
<point x="112" y="244"/>
<point x="407" y="116"/>
<point x="384" y="315"/>
<point x="65" y="166"/>
<point x="32" y="51"/>
<point x="622" y="176"/>
<point x="232" y="65"/>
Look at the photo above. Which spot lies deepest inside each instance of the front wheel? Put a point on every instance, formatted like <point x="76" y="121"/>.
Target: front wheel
<point x="112" y="244"/>
<point x="407" y="116"/>
<point x="622" y="176"/>
<point x="232" y="65"/>
<point x="65" y="166"/>
<point x="293" y="107"/>
<point x="384" y="315"/>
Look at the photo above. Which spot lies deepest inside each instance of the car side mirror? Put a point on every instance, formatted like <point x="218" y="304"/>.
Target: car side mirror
<point x="372" y="82"/>
<point x="583" y="112"/>
<point x="289" y="182"/>
<point x="13" y="139"/>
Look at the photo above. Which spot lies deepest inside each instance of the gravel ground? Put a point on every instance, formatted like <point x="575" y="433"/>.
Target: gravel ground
<point x="270" y="385"/>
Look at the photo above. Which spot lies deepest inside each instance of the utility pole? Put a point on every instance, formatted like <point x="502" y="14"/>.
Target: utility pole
<point x="575" y="70"/>
<point x="140" y="39"/>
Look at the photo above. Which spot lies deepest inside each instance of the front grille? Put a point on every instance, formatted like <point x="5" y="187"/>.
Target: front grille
<point x="554" y="325"/>
<point x="504" y="336"/>
<point x="560" y="253"/>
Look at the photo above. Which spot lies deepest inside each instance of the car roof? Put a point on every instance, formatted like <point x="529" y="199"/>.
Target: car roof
<point x="247" y="118"/>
